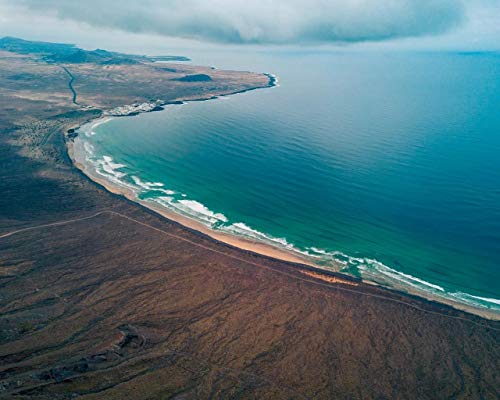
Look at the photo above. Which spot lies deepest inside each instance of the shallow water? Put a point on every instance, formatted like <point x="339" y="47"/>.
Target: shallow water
<point x="387" y="164"/>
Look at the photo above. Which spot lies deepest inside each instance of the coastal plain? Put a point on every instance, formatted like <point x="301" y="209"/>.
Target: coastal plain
<point x="101" y="298"/>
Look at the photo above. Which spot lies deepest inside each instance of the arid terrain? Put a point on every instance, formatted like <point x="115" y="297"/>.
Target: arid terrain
<point x="103" y="299"/>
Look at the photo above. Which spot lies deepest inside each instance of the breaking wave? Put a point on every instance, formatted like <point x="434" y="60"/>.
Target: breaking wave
<point x="90" y="129"/>
<point x="146" y="185"/>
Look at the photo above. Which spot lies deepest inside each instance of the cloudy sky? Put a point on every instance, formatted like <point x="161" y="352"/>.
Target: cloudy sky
<point x="407" y="24"/>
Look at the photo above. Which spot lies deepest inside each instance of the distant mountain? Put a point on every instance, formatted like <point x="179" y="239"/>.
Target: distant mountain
<point x="21" y="46"/>
<point x="71" y="54"/>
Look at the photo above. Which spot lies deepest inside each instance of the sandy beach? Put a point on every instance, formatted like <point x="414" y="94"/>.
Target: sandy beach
<point x="78" y="158"/>
<point x="77" y="155"/>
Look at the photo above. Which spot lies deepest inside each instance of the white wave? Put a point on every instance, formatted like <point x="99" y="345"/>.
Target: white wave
<point x="89" y="129"/>
<point x="241" y="229"/>
<point x="379" y="272"/>
<point x="487" y="299"/>
<point x="167" y="191"/>
<point x="276" y="80"/>
<point x="163" y="200"/>
<point x="376" y="270"/>
<point x="89" y="149"/>
<point x="319" y="251"/>
<point x="476" y="300"/>
<point x="146" y="185"/>
<point x="192" y="209"/>
<point x="109" y="166"/>
<point x="200" y="210"/>
<point x="338" y="256"/>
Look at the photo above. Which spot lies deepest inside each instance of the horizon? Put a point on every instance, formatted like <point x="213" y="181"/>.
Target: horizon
<point x="409" y="25"/>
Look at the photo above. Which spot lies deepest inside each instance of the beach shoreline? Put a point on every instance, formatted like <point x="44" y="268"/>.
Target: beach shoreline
<point x="252" y="246"/>
<point x="233" y="240"/>
<point x="261" y="248"/>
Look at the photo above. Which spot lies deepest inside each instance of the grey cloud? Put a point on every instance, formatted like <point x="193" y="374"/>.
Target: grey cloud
<point x="263" y="21"/>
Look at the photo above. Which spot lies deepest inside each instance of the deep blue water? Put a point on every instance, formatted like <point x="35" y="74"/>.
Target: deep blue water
<point x="389" y="164"/>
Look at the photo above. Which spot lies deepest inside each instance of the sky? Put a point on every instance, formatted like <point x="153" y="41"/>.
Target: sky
<point x="469" y="25"/>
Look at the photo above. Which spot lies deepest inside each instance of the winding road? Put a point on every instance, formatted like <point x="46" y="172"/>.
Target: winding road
<point x="70" y="84"/>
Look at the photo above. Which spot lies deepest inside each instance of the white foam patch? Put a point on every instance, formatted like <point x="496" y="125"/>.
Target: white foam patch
<point x="241" y="229"/>
<point x="476" y="300"/>
<point x="110" y="167"/>
<point x="164" y="200"/>
<point x="319" y="251"/>
<point x="197" y="209"/>
<point x="337" y="256"/>
<point x="276" y="80"/>
<point x="375" y="270"/>
<point x="384" y="269"/>
<point x="486" y="299"/>
<point x="167" y="191"/>
<point x="192" y="209"/>
<point x="90" y="128"/>
<point x="146" y="185"/>
<point x="89" y="149"/>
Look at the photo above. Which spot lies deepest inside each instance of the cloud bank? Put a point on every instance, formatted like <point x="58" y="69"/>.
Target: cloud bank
<point x="262" y="21"/>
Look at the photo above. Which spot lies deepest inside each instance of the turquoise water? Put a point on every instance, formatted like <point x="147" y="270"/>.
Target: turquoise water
<point x="384" y="166"/>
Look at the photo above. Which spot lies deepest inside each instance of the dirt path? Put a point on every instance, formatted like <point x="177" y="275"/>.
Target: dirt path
<point x="291" y="275"/>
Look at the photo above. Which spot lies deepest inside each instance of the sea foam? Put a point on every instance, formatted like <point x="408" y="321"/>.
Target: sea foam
<point x="146" y="185"/>
<point x="190" y="208"/>
<point x="199" y="210"/>
<point x="243" y="230"/>
<point x="109" y="166"/>
<point x="90" y="129"/>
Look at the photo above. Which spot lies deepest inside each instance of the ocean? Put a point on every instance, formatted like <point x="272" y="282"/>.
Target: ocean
<point x="382" y="166"/>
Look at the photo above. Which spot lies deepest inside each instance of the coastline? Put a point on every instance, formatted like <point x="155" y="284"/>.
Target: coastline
<point x="233" y="240"/>
<point x="244" y="244"/>
<point x="104" y="297"/>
